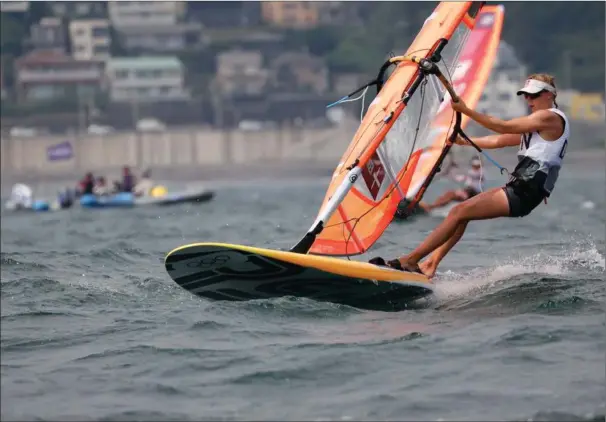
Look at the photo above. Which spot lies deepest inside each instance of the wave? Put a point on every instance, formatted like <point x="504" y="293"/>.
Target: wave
<point x="571" y="279"/>
<point x="565" y="417"/>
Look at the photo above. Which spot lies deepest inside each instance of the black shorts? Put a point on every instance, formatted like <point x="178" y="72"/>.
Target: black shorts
<point x="471" y="192"/>
<point x="523" y="197"/>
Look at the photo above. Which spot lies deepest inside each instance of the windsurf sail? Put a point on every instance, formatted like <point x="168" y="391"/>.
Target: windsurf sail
<point x="377" y="169"/>
<point x="468" y="80"/>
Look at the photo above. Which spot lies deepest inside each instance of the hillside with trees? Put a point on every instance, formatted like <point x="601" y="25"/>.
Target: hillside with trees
<point x="563" y="38"/>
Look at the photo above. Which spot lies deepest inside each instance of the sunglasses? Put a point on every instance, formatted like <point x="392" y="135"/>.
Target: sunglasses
<point x="533" y="96"/>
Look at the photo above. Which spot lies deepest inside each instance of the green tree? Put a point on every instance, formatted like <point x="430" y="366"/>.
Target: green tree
<point x="12" y="34"/>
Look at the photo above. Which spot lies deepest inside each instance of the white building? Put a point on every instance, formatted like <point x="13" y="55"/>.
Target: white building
<point x="158" y="39"/>
<point x="125" y="14"/>
<point x="499" y="97"/>
<point x="90" y="39"/>
<point x="146" y="79"/>
<point x="154" y="27"/>
<point x="14" y="6"/>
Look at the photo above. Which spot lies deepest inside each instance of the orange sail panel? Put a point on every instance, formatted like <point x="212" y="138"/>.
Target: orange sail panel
<point x="468" y="80"/>
<point x="387" y="146"/>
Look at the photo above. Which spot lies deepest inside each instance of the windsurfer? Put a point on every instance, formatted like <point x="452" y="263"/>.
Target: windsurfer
<point x="472" y="185"/>
<point x="542" y="137"/>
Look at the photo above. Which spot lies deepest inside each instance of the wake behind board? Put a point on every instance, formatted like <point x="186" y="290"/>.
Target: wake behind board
<point x="222" y="271"/>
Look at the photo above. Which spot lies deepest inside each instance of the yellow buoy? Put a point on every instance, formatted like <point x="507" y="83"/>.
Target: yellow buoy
<point x="158" y="191"/>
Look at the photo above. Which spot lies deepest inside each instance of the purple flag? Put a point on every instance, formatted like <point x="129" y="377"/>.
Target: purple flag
<point x="62" y="151"/>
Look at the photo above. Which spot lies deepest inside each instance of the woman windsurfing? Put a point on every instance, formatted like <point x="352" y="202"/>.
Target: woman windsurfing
<point x="542" y="137"/>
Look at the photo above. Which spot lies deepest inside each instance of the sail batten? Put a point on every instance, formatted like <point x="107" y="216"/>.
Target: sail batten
<point x="394" y="145"/>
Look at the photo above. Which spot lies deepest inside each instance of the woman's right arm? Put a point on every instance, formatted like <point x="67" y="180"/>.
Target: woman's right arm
<point x="493" y="141"/>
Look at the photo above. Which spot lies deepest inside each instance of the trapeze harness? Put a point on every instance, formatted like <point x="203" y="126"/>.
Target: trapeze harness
<point x="539" y="163"/>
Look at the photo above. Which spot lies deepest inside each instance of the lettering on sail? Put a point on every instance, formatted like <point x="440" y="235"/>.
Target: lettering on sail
<point x="374" y="174"/>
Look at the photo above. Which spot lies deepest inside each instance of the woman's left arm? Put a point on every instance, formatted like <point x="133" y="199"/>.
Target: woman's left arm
<point x="536" y="122"/>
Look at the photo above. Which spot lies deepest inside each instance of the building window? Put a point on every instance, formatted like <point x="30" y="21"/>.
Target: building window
<point x="100" y="32"/>
<point x="143" y="92"/>
<point x="144" y="74"/>
<point x="121" y="74"/>
<point x="59" y="9"/>
<point x="82" y="8"/>
<point x="101" y="49"/>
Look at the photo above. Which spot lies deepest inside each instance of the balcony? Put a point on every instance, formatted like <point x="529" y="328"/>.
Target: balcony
<point x="148" y="95"/>
<point x="134" y="82"/>
<point x="67" y="75"/>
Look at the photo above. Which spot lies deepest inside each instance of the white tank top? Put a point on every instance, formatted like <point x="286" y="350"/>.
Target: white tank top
<point x="548" y="154"/>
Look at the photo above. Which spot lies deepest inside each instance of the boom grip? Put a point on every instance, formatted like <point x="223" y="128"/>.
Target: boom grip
<point x="456" y="131"/>
<point x="448" y="87"/>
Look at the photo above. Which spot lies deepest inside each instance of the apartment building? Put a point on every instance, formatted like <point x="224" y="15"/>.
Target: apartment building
<point x="241" y="73"/>
<point x="124" y="14"/>
<point x="339" y="13"/>
<point x="299" y="72"/>
<point x="79" y="9"/>
<point x="90" y="39"/>
<point x="48" y="75"/>
<point x="225" y="14"/>
<point x="291" y="14"/>
<point x="14" y="6"/>
<point x="162" y="38"/>
<point x="146" y="79"/>
<point x="154" y="26"/>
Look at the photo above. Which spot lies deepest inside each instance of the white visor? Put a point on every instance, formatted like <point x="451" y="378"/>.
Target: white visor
<point x="532" y="86"/>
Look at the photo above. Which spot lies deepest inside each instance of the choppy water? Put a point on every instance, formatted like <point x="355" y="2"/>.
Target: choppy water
<point x="94" y="329"/>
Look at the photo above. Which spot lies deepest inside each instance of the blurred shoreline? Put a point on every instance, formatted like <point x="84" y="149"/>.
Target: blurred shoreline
<point x="587" y="160"/>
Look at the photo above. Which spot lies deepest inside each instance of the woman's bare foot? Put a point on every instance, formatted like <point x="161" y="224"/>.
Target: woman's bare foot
<point x="402" y="264"/>
<point x="429" y="267"/>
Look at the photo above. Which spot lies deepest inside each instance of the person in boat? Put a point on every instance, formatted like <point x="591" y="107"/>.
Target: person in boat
<point x="101" y="187"/>
<point x="542" y="138"/>
<point x="128" y="180"/>
<point x="472" y="185"/>
<point x="145" y="185"/>
<point x="86" y="185"/>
